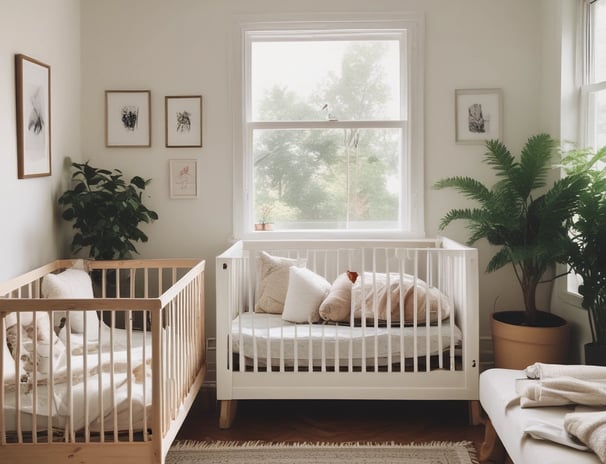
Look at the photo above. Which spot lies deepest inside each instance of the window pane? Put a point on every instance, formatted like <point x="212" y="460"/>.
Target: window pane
<point x="597" y="119"/>
<point x="319" y="80"/>
<point x="328" y="178"/>
<point x="599" y="40"/>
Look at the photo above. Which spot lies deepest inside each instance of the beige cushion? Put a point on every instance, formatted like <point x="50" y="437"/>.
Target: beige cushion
<point x="377" y="292"/>
<point x="306" y="290"/>
<point x="73" y="283"/>
<point x="272" y="282"/>
<point x="337" y="305"/>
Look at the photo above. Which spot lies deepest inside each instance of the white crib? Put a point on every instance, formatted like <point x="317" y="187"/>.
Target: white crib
<point x="261" y="356"/>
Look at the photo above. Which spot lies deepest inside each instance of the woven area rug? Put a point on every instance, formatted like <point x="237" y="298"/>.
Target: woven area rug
<point x="321" y="453"/>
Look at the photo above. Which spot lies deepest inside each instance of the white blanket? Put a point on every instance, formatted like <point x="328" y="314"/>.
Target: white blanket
<point x="578" y="371"/>
<point x="560" y="391"/>
<point x="589" y="428"/>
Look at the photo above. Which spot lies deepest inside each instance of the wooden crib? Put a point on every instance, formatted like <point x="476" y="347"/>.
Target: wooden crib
<point x="373" y="353"/>
<point x="110" y="375"/>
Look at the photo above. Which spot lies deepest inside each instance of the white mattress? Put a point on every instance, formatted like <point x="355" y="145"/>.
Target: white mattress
<point x="498" y="398"/>
<point x="116" y="393"/>
<point x="260" y="334"/>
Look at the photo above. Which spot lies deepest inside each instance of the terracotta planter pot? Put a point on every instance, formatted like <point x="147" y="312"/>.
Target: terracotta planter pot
<point x="595" y="354"/>
<point x="517" y="346"/>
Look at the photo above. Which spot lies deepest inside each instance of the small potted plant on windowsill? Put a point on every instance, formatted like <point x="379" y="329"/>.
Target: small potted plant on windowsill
<point x="528" y="222"/>
<point x="264" y="223"/>
<point x="588" y="254"/>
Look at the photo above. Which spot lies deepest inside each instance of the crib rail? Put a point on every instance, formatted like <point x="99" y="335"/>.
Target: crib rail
<point x="127" y="377"/>
<point x="366" y="358"/>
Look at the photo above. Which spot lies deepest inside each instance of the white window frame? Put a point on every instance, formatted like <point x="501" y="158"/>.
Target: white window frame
<point x="412" y="162"/>
<point x="585" y="65"/>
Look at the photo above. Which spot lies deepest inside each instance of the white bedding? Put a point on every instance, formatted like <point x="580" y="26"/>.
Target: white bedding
<point x="499" y="399"/>
<point x="116" y="395"/>
<point x="257" y="334"/>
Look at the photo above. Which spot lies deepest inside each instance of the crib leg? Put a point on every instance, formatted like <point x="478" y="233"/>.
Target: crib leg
<point x="227" y="413"/>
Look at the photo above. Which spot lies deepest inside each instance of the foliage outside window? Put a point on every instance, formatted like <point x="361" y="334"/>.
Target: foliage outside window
<point x="327" y="129"/>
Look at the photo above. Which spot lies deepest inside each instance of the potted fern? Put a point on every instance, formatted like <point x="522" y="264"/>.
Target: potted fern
<point x="526" y="220"/>
<point x="588" y="254"/>
<point x="106" y="210"/>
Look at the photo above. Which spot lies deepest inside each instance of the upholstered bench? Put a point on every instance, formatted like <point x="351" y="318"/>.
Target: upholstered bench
<point x="506" y="422"/>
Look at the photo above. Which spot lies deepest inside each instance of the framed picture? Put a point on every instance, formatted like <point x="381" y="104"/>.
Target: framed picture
<point x="127" y="118"/>
<point x="183" y="179"/>
<point x="478" y="115"/>
<point x="32" y="82"/>
<point x="183" y="121"/>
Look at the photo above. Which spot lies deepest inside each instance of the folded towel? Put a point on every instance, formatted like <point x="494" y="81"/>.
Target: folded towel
<point x="579" y="371"/>
<point x="560" y="391"/>
<point x="589" y="428"/>
<point x="548" y="431"/>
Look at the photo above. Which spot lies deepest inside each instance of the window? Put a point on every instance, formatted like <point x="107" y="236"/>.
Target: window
<point x="330" y="140"/>
<point x="593" y="88"/>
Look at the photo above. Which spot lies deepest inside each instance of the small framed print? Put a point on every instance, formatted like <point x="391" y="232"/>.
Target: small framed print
<point x="127" y="118"/>
<point x="32" y="82"/>
<point x="478" y="115"/>
<point x="183" y="179"/>
<point x="183" y="127"/>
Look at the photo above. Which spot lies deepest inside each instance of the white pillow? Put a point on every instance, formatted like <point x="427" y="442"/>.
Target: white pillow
<point x="272" y="278"/>
<point x="306" y="291"/>
<point x="73" y="283"/>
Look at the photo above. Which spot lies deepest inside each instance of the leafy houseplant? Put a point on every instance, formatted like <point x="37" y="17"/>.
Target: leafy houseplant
<point x="107" y="211"/>
<point x="588" y="253"/>
<point x="521" y="216"/>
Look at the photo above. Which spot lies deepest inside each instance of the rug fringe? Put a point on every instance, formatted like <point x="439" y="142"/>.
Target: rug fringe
<point x="194" y="445"/>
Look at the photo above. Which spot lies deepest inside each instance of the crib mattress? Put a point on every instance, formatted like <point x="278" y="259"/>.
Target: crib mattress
<point x="129" y="400"/>
<point x="499" y="399"/>
<point x="268" y="337"/>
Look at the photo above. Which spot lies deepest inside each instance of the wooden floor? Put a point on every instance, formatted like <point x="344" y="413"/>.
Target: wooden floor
<point x="334" y="421"/>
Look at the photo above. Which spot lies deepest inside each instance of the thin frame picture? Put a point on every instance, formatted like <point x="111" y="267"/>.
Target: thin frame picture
<point x="183" y="121"/>
<point x="33" y="98"/>
<point x="183" y="175"/>
<point x="127" y="118"/>
<point x="478" y="115"/>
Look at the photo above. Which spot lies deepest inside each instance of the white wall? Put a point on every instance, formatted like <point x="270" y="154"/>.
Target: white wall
<point x="30" y="232"/>
<point x="183" y="47"/>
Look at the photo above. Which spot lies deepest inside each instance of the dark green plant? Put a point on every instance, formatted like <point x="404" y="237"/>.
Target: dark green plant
<point x="588" y="233"/>
<point x="519" y="214"/>
<point x="107" y="211"/>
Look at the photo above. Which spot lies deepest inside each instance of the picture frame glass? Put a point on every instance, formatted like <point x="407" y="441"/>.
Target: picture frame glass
<point x="128" y="118"/>
<point x="478" y="115"/>
<point x="183" y="178"/>
<point x="33" y="117"/>
<point x="183" y="116"/>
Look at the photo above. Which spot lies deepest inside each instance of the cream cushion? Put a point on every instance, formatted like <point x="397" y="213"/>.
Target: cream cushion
<point x="272" y="278"/>
<point x="306" y="291"/>
<point x="379" y="295"/>
<point x="73" y="283"/>
<point x="336" y="306"/>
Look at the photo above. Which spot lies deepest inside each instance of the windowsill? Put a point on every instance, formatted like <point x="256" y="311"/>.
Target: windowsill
<point x="329" y="234"/>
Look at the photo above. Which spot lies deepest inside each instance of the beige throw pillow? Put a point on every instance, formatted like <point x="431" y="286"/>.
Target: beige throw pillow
<point x="336" y="306"/>
<point x="272" y="282"/>
<point x="377" y="293"/>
